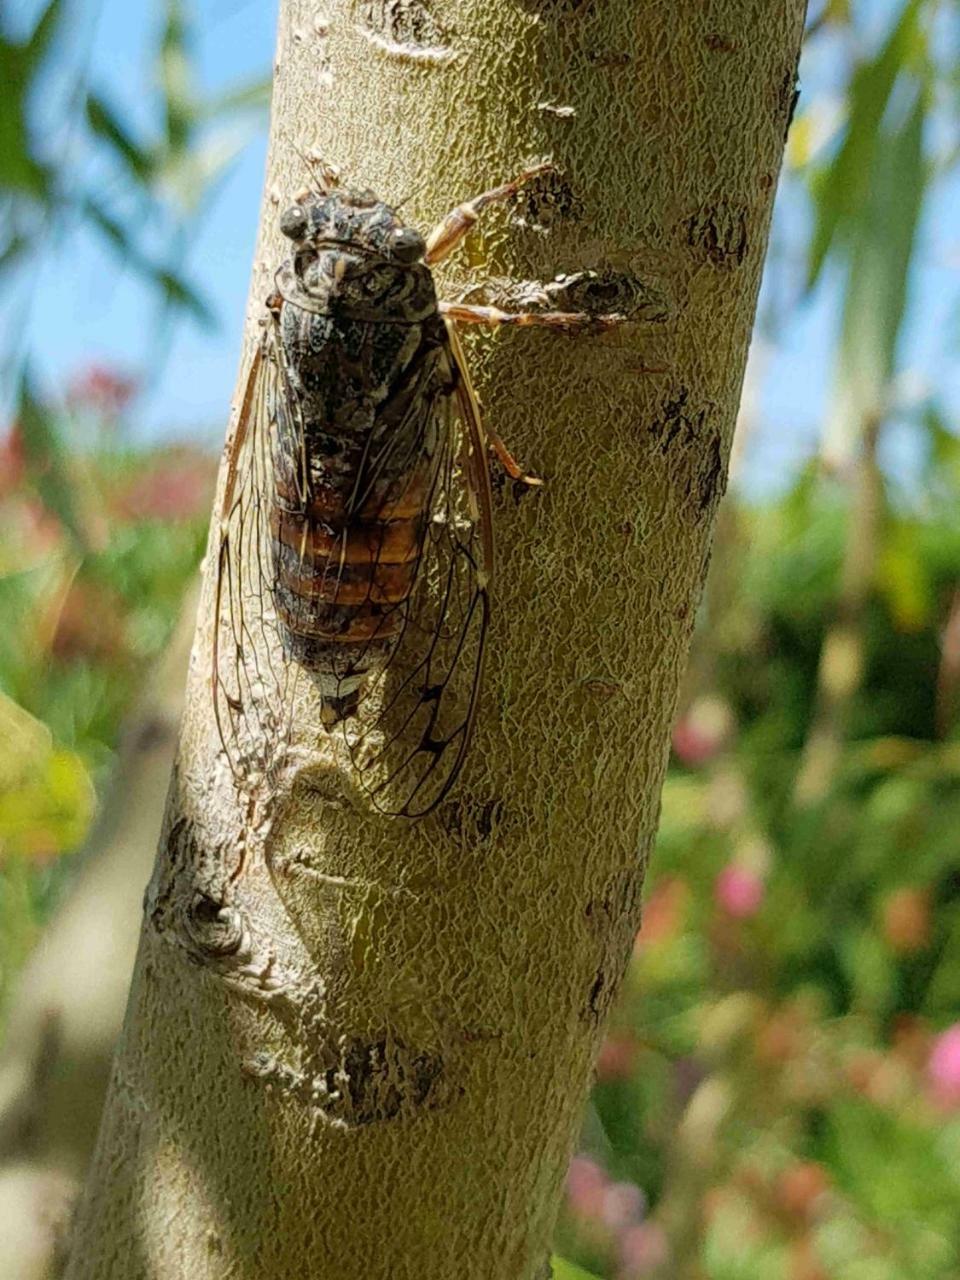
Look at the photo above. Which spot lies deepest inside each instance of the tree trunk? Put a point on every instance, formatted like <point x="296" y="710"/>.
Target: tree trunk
<point x="458" y="970"/>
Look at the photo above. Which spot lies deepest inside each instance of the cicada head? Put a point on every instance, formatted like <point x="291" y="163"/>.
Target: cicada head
<point x="352" y="253"/>
<point x="353" y="221"/>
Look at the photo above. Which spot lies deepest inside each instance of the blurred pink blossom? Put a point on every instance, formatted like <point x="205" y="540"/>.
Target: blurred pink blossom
<point x="702" y="731"/>
<point x="617" y="1057"/>
<point x="643" y="1249"/>
<point x="101" y="390"/>
<point x="178" y="488"/>
<point x="739" y="891"/>
<point x="623" y="1204"/>
<point x="12" y="460"/>
<point x="586" y="1185"/>
<point x="943" y="1067"/>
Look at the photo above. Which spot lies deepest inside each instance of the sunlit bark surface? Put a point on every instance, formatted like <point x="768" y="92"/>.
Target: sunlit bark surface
<point x="450" y="978"/>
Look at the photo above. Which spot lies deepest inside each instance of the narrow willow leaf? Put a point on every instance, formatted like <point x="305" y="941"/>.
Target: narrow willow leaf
<point x="19" y="170"/>
<point x="253" y="96"/>
<point x="839" y="189"/>
<point x="177" y="291"/>
<point x="188" y="176"/>
<point x="105" y="123"/>
<point x="564" y="1270"/>
<point x="877" y="280"/>
<point x="37" y="46"/>
<point x="46" y="459"/>
<point x="181" y="111"/>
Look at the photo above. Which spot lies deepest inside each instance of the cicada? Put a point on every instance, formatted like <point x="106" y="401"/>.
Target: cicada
<point x="356" y="528"/>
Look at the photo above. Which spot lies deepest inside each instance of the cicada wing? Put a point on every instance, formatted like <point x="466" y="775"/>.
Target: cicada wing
<point x="250" y="682"/>
<point x="412" y="731"/>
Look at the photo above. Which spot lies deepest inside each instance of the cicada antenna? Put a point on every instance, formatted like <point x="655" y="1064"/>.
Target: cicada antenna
<point x="409" y="196"/>
<point x="323" y="175"/>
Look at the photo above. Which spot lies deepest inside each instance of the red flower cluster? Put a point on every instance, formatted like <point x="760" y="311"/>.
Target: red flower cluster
<point x="101" y="390"/>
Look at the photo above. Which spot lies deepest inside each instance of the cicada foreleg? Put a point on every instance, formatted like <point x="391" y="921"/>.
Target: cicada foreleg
<point x="452" y="228"/>
<point x="472" y="413"/>
<point x="573" y="322"/>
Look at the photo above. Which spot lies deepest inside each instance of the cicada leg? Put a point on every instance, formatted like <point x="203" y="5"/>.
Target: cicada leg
<point x="470" y="407"/>
<point x="442" y="241"/>
<point x="564" y="321"/>
<point x="450" y="230"/>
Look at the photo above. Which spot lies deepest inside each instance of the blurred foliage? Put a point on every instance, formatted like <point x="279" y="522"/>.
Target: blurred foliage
<point x="68" y="157"/>
<point x="97" y="539"/>
<point x="778" y="1094"/>
<point x="89" y="591"/>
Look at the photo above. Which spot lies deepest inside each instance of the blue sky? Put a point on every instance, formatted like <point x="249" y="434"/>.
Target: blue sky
<point x="84" y="309"/>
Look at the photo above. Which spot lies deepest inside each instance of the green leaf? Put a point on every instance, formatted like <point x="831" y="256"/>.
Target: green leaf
<point x="37" y="46"/>
<point x="188" y="175"/>
<point x="839" y="190"/>
<point x="878" y="275"/>
<point x="104" y="122"/>
<point x="252" y="96"/>
<point x="15" y="248"/>
<point x="177" y="291"/>
<point x="180" y="101"/>
<point x="46" y="458"/>
<point x="19" y="170"/>
<point x="564" y="1270"/>
<point x="118" y="236"/>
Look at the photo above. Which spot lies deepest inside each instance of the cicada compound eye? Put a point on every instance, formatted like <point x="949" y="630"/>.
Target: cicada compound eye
<point x="407" y="245"/>
<point x="293" y="222"/>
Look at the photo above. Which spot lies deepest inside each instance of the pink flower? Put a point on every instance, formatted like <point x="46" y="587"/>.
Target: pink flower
<point x="586" y="1184"/>
<point x="702" y="731"/>
<point x="943" y="1067"/>
<point x="179" y="488"/>
<point x="623" y="1204"/>
<point x="643" y="1249"/>
<point x="739" y="891"/>
<point x="618" y="1057"/>
<point x="102" y="390"/>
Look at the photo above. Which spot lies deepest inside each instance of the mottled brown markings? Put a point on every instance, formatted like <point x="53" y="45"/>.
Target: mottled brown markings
<point x="713" y="476"/>
<point x="603" y="291"/>
<point x="614" y="918"/>
<point x="687" y="436"/>
<point x="368" y="1081"/>
<point x="718" y="234"/>
<point x="404" y="22"/>
<point x="472" y="817"/>
<point x="546" y="200"/>
<point x="677" y="422"/>
<point x="595" y="1003"/>
<point x="716" y="42"/>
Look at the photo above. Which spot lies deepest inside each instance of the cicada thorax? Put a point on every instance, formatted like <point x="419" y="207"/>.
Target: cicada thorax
<point x="367" y="372"/>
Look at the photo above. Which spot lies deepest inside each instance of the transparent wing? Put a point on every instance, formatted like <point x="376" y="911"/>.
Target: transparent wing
<point x="250" y="680"/>
<point x="412" y="730"/>
<point x="408" y="734"/>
